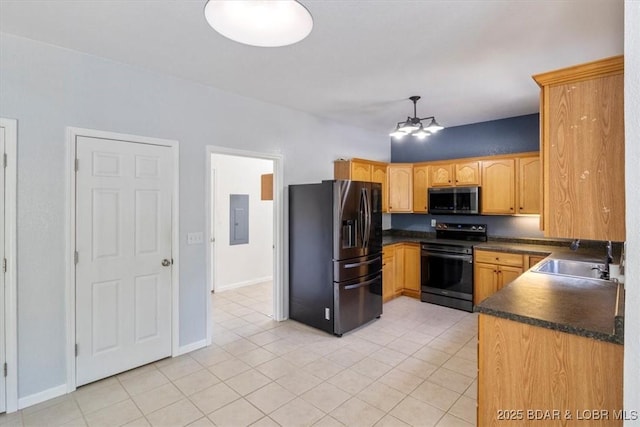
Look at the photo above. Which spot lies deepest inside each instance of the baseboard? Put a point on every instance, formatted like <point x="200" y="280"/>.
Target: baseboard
<point x="242" y="284"/>
<point x="191" y="347"/>
<point x="34" y="399"/>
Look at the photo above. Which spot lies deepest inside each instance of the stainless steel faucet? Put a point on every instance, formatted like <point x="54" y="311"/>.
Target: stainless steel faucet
<point x="609" y="258"/>
<point x="575" y="245"/>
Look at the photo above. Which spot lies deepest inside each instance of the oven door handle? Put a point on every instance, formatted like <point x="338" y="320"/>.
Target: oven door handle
<point x="468" y="258"/>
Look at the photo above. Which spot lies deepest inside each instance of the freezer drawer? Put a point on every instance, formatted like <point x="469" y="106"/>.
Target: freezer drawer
<point x="356" y="267"/>
<point x="357" y="302"/>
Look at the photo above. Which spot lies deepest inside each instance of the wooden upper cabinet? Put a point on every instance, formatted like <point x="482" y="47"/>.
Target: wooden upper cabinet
<point x="361" y="171"/>
<point x="364" y="170"/>
<point x="528" y="185"/>
<point x="400" y="185"/>
<point x="420" y="188"/>
<point x="582" y="146"/>
<point x="498" y="187"/>
<point x="451" y="174"/>
<point x="467" y="173"/>
<point x="442" y="175"/>
<point x="379" y="174"/>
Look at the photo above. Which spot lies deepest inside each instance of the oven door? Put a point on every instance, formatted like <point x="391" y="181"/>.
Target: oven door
<point x="447" y="274"/>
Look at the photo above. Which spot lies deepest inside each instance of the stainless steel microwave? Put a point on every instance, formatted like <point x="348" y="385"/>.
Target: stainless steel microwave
<point x="454" y="201"/>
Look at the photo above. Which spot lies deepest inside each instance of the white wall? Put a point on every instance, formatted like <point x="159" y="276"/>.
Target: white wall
<point x="238" y="265"/>
<point x="632" y="155"/>
<point x="48" y="88"/>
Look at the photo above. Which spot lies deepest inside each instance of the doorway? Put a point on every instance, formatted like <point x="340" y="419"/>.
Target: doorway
<point x="123" y="298"/>
<point x="8" y="271"/>
<point x="258" y="262"/>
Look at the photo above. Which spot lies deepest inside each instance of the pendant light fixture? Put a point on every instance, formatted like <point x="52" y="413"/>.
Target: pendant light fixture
<point x="264" y="23"/>
<point x="413" y="125"/>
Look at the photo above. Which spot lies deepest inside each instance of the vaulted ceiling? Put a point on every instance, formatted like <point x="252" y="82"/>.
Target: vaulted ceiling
<point x="470" y="60"/>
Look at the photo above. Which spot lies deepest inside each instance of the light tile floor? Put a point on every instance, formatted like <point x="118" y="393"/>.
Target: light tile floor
<point x="415" y="366"/>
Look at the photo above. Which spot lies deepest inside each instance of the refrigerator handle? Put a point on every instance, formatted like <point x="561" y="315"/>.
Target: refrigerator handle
<point x="362" y="218"/>
<point x="367" y="211"/>
<point x="362" y="284"/>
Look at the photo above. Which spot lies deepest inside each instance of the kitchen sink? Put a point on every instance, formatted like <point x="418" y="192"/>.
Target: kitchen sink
<point x="589" y="270"/>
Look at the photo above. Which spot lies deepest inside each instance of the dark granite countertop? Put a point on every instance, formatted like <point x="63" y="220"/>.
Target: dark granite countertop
<point x="586" y="307"/>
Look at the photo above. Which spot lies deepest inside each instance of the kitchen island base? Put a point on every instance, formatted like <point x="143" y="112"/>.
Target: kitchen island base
<point x="534" y="376"/>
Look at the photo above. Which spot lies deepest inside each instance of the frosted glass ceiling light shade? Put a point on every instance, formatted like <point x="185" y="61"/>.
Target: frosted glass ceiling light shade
<point x="264" y="23"/>
<point x="434" y="126"/>
<point x="413" y="125"/>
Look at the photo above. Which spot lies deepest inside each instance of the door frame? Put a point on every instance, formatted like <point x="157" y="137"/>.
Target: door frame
<point x="10" y="251"/>
<point x="72" y="134"/>
<point x="279" y="290"/>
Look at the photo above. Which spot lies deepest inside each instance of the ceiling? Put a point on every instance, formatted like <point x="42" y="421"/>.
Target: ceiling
<point x="470" y="60"/>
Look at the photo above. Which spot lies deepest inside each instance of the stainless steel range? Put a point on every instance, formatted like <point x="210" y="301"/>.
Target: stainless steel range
<point x="446" y="265"/>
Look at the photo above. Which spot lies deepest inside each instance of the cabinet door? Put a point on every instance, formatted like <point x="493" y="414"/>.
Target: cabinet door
<point x="498" y="187"/>
<point x="379" y="174"/>
<point x="507" y="274"/>
<point x="388" y="273"/>
<point x="498" y="258"/>
<point x="412" y="269"/>
<point x="441" y="176"/>
<point x="400" y="178"/>
<point x="529" y="185"/>
<point x="398" y="280"/>
<point x="467" y="173"/>
<point x="420" y="186"/>
<point x="586" y="160"/>
<point x="485" y="281"/>
<point x="360" y="171"/>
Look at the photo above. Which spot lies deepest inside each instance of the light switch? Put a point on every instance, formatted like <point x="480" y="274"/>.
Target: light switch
<point x="433" y="222"/>
<point x="195" y="238"/>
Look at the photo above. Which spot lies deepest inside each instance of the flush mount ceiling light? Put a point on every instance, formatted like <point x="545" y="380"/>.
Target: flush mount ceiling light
<point x="264" y="23"/>
<point x="413" y="125"/>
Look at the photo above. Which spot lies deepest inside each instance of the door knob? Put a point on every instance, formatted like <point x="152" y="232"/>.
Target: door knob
<point x="166" y="263"/>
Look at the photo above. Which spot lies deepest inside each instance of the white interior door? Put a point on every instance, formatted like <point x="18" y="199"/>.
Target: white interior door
<point x="3" y="359"/>
<point x="123" y="244"/>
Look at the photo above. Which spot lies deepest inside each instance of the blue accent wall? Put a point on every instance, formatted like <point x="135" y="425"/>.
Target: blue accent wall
<point x="513" y="135"/>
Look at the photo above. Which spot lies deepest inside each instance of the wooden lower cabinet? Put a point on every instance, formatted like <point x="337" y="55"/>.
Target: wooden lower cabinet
<point x="411" y="285"/>
<point x="388" y="272"/>
<point x="400" y="270"/>
<point x="492" y="271"/>
<point x="531" y="260"/>
<point x="526" y="373"/>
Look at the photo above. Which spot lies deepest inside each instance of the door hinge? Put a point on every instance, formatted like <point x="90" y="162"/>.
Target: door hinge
<point x="4" y="265"/>
<point x="76" y="350"/>
<point x="75" y="257"/>
<point x="6" y="369"/>
<point x="4" y="160"/>
<point x="76" y="165"/>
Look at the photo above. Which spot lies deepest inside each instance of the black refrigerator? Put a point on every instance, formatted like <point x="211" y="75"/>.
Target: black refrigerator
<point x="335" y="254"/>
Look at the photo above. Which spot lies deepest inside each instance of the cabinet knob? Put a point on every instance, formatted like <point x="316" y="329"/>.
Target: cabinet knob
<point x="510" y="208"/>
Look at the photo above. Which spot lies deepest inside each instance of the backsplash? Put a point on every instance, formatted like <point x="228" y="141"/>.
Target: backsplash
<point x="497" y="226"/>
